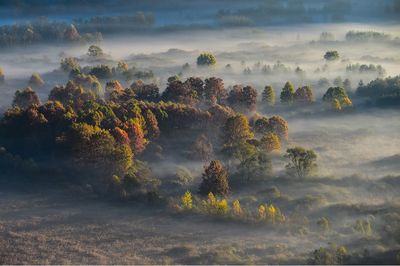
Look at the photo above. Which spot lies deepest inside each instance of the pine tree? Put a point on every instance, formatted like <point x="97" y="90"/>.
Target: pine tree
<point x="268" y="96"/>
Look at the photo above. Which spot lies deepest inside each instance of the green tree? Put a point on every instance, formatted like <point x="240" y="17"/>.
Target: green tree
<point x="287" y="94"/>
<point x="304" y="95"/>
<point x="255" y="167"/>
<point x="206" y="59"/>
<point x="268" y="96"/>
<point x="215" y="179"/>
<point x="302" y="162"/>
<point x="331" y="55"/>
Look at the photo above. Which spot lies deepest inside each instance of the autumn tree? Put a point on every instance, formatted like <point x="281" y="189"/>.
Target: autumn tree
<point x="89" y="82"/>
<point x="215" y="179"/>
<point x="152" y="129"/>
<point x="287" y="93"/>
<point x="113" y="86"/>
<point x="304" y="95"/>
<point x="206" y="59"/>
<point x="179" y="92"/>
<point x="243" y="99"/>
<point x="237" y="129"/>
<point x="302" y="162"/>
<point x="146" y="92"/>
<point x="214" y="90"/>
<point x="270" y="142"/>
<point x="36" y="81"/>
<point x="196" y="84"/>
<point x="97" y="154"/>
<point x="268" y="96"/>
<point x="136" y="135"/>
<point x="279" y="127"/>
<point x="25" y="98"/>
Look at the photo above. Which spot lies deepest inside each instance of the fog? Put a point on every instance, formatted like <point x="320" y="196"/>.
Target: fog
<point x="358" y="151"/>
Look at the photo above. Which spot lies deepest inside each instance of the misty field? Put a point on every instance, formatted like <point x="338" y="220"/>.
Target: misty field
<point x="200" y="132"/>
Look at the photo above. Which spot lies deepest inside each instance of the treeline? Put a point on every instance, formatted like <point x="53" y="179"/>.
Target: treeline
<point x="116" y="24"/>
<point x="382" y="92"/>
<point x="44" y="31"/>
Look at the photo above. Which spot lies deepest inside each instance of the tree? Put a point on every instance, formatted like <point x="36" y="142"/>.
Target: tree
<point x="95" y="51"/>
<point x="101" y="72"/>
<point x="302" y="162"/>
<point x="279" y="127"/>
<point x="338" y="82"/>
<point x="287" y="93"/>
<point x="255" y="167"/>
<point x="146" y="92"/>
<point x="89" y="82"/>
<point x="236" y="129"/>
<point x="69" y="63"/>
<point x="206" y="59"/>
<point x="36" y="81"/>
<point x="25" y="98"/>
<point x="152" y="129"/>
<point x="337" y="98"/>
<point x="71" y="34"/>
<point x="331" y="55"/>
<point x="197" y="85"/>
<point x="268" y="96"/>
<point x="270" y="142"/>
<point x="136" y="135"/>
<point x="202" y="149"/>
<point x="215" y="179"/>
<point x="214" y="90"/>
<point x="113" y="86"/>
<point x="347" y="84"/>
<point x="187" y="201"/>
<point x="243" y="99"/>
<point x="304" y="95"/>
<point x="180" y="92"/>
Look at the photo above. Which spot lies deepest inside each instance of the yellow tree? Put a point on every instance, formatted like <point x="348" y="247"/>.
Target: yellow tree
<point x="187" y="201"/>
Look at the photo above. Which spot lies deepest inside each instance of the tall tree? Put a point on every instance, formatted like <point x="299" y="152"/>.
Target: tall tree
<point x="215" y="179"/>
<point x="268" y="96"/>
<point x="287" y="94"/>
